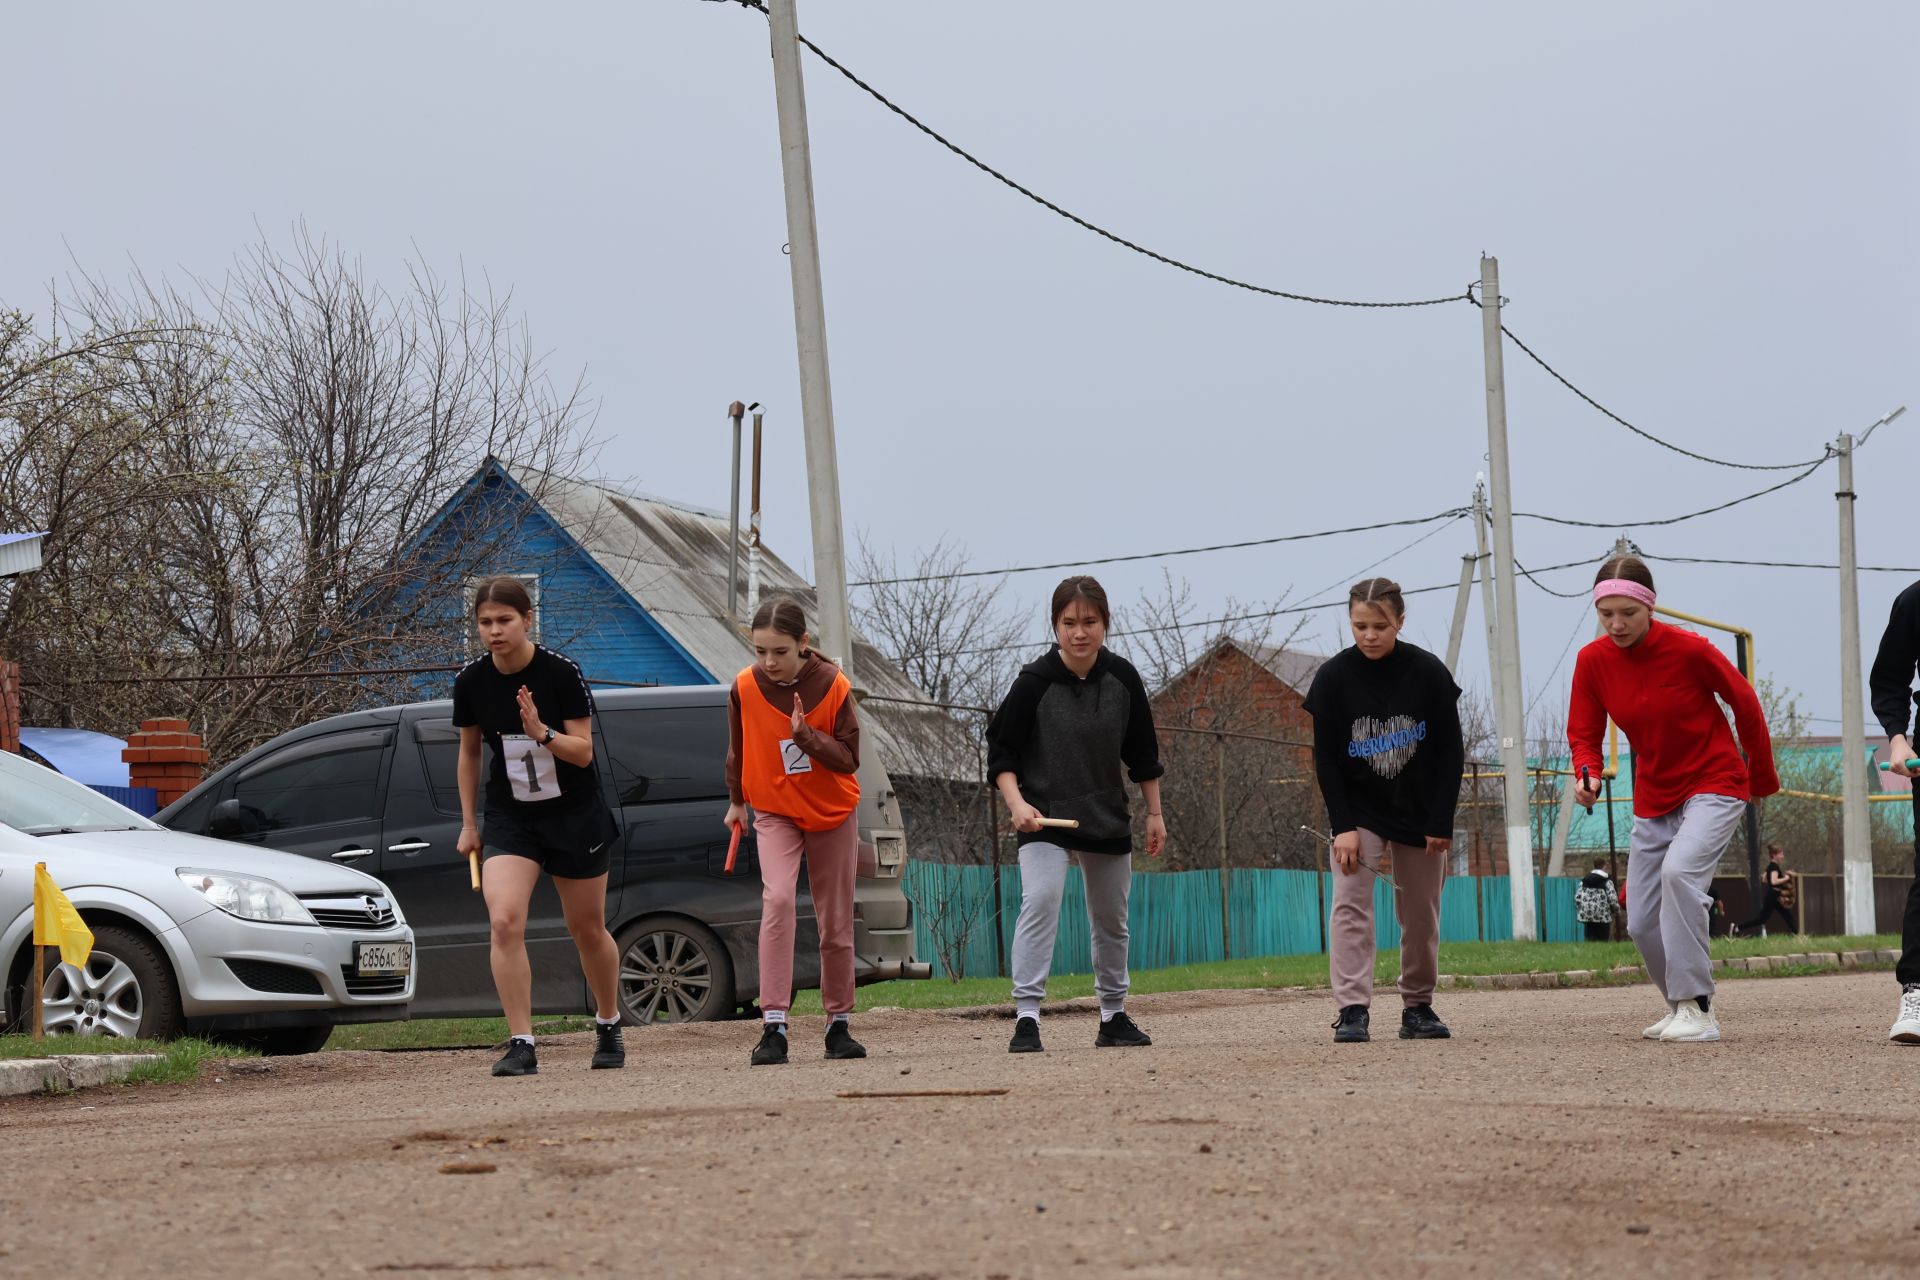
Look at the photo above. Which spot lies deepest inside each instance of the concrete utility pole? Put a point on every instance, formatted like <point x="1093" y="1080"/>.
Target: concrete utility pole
<point x="735" y="412"/>
<point x="1856" y="835"/>
<point x="833" y="625"/>
<point x="1508" y="694"/>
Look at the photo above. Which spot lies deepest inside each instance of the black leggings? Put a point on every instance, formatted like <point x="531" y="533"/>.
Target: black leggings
<point x="1768" y="911"/>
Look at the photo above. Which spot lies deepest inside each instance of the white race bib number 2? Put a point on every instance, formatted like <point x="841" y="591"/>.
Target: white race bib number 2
<point x="529" y="768"/>
<point x="794" y="760"/>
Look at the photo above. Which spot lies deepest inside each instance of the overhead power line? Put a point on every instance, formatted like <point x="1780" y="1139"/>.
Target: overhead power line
<point x="1465" y="295"/>
<point x="1079" y="221"/>
<point x="1811" y="467"/>
<point x="1778" y="564"/>
<point x="1257" y="616"/>
<point x="1644" y="434"/>
<point x="1162" y="555"/>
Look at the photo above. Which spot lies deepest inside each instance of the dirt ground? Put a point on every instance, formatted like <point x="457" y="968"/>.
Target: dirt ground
<point x="1546" y="1139"/>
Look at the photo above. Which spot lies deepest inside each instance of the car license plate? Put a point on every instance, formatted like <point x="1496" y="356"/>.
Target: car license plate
<point x="382" y="959"/>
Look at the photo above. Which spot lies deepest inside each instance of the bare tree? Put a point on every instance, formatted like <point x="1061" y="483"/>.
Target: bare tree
<point x="1257" y="758"/>
<point x="243" y="488"/>
<point x="956" y="641"/>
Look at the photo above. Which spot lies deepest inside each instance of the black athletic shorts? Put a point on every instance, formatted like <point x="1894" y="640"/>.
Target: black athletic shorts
<point x="574" y="842"/>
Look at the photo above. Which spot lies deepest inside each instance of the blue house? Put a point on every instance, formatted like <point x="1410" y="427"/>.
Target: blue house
<point x="635" y="589"/>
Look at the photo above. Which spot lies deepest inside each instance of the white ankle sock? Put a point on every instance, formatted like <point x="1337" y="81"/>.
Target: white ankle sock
<point x="840" y="1019"/>
<point x="599" y="1021"/>
<point x="526" y="1040"/>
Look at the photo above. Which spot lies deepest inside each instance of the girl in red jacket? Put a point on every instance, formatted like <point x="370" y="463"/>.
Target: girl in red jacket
<point x="1690" y="786"/>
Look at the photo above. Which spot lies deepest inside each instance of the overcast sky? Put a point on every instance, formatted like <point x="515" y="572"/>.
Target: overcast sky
<point x="1703" y="214"/>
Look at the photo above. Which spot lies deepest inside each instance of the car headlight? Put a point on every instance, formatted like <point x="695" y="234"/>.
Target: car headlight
<point x="246" y="897"/>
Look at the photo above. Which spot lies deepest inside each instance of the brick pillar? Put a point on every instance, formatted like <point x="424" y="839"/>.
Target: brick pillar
<point x="9" y="706"/>
<point x="167" y="756"/>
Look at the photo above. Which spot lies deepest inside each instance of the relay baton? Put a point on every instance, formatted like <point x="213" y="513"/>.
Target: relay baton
<point x="1887" y="765"/>
<point x="1069" y="824"/>
<point x="1327" y="840"/>
<point x="733" y="848"/>
<point x="473" y="867"/>
<point x="1586" y="780"/>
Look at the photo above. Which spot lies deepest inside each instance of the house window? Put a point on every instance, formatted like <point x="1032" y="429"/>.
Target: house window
<point x="471" y="642"/>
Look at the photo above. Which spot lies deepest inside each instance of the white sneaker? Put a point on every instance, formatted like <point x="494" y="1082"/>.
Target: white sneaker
<point x="1655" y="1031"/>
<point x="1906" y="1027"/>
<point x="1691" y="1025"/>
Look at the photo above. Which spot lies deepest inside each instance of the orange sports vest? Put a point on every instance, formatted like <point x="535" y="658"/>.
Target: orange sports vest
<point x="780" y="778"/>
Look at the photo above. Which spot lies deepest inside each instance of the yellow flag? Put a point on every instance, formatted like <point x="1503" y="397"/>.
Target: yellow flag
<point x="56" y="923"/>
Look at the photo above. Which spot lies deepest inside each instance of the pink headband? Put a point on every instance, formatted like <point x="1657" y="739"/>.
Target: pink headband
<point x="1622" y="587"/>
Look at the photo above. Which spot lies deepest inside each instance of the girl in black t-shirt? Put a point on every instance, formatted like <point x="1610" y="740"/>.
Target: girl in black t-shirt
<point x="544" y="811"/>
<point x="1387" y="753"/>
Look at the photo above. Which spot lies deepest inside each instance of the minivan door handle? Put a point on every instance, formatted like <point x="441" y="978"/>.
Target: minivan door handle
<point x="410" y="846"/>
<point x="348" y="855"/>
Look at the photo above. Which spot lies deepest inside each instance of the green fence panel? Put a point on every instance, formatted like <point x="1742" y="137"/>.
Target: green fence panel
<point x="1174" y="917"/>
<point x="1460" y="910"/>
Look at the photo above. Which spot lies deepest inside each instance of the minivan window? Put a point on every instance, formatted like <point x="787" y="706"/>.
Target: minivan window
<point x="312" y="783"/>
<point x="439" y="744"/>
<point x="666" y="753"/>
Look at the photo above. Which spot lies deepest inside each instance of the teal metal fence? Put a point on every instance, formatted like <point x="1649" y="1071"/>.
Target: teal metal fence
<point x="1174" y="916"/>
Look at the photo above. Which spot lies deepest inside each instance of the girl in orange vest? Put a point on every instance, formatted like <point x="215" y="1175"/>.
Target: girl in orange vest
<point x="792" y="752"/>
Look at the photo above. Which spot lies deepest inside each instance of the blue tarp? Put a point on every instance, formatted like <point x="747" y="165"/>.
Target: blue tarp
<point x="81" y="754"/>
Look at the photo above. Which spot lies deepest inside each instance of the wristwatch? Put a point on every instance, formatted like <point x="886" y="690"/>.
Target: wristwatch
<point x="549" y="736"/>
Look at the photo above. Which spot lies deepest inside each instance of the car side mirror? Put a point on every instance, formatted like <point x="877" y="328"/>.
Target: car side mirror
<point x="230" y="821"/>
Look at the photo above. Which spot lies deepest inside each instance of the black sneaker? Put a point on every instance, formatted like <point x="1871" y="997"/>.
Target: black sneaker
<point x="609" y="1054"/>
<point x="841" y="1044"/>
<point x="1418" y="1022"/>
<point x="772" y="1049"/>
<point x="517" y="1061"/>
<point x="1026" y="1036"/>
<point x="1351" y="1026"/>
<point x="1120" y="1030"/>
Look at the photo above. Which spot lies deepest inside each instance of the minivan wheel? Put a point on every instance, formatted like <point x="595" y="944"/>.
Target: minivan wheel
<point x="126" y="990"/>
<point x="673" y="970"/>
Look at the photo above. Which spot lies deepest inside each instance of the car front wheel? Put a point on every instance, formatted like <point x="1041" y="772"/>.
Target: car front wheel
<point x="126" y="990"/>
<point x="673" y="970"/>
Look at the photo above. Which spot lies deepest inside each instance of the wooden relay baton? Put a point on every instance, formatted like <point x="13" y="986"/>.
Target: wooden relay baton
<point x="1068" y="824"/>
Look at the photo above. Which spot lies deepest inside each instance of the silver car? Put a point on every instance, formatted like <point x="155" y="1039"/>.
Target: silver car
<point x="191" y="935"/>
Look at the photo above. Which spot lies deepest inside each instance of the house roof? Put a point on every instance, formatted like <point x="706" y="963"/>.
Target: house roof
<point x="1291" y="667"/>
<point x="19" y="553"/>
<point x="1294" y="668"/>
<point x="672" y="559"/>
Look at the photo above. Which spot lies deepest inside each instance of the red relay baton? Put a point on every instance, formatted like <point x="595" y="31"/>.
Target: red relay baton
<point x="733" y="848"/>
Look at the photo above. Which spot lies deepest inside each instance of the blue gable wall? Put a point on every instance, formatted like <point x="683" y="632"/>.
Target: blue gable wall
<point x="582" y="611"/>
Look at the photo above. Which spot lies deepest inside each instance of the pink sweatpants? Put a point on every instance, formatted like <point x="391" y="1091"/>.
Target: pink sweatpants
<point x="1416" y="901"/>
<point x="832" y="859"/>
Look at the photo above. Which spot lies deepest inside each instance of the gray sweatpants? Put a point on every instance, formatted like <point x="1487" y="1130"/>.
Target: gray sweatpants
<point x="1668" y="875"/>
<point x="1043" y="880"/>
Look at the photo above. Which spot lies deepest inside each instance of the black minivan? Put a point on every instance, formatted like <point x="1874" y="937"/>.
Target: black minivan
<point x="377" y="790"/>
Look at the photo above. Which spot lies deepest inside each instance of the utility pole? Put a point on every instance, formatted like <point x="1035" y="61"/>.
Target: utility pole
<point x="1856" y="835"/>
<point x="1509" y="696"/>
<point x="833" y="625"/>
<point x="1458" y="631"/>
<point x="735" y="412"/>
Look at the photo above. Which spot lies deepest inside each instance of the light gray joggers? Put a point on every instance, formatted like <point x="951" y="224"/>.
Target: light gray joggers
<point x="1668" y="874"/>
<point x="1043" y="881"/>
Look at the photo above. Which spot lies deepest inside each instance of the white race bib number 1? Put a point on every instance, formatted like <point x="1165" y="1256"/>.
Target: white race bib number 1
<point x="529" y="768"/>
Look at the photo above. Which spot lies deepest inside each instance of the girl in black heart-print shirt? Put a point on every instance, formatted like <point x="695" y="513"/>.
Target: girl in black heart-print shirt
<point x="1387" y="753"/>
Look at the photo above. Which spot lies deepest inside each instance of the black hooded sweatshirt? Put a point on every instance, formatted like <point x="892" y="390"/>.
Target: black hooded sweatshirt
<point x="1065" y="739"/>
